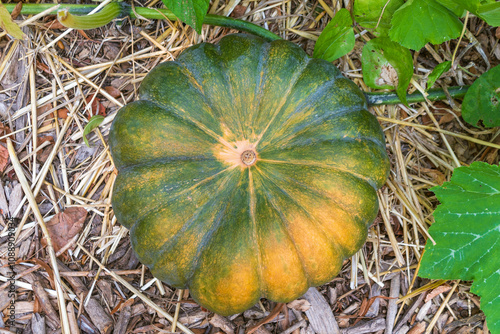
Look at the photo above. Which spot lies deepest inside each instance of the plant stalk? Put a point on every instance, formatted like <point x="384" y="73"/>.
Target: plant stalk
<point x="375" y="98"/>
<point x="378" y="98"/>
<point x="154" y="14"/>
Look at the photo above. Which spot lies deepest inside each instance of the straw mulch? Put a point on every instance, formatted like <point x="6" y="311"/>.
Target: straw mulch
<point x="55" y="80"/>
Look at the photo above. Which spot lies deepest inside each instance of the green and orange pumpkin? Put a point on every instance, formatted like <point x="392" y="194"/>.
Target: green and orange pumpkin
<point x="246" y="169"/>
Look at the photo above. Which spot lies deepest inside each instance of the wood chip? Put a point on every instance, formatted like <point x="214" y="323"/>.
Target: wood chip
<point x="471" y="322"/>
<point x="273" y="314"/>
<point x="419" y="328"/>
<point x="423" y="311"/>
<point x="392" y="307"/>
<point x="37" y="323"/>
<point x="371" y="326"/>
<point x="44" y="300"/>
<point x="73" y="323"/>
<point x="15" y="198"/>
<point x="4" y="205"/>
<point x="223" y="323"/>
<point x="320" y="314"/>
<point x="97" y="313"/>
<point x="410" y="311"/>
<point x="123" y="320"/>
<point x="374" y="308"/>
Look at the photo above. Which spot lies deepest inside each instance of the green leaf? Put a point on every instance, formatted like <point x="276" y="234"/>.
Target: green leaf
<point x="454" y="6"/>
<point x="93" y="123"/>
<point x="367" y="13"/>
<point x="386" y="64"/>
<point x="8" y="25"/>
<point x="488" y="10"/>
<point x="437" y="72"/>
<point x="467" y="235"/>
<point x="191" y="12"/>
<point x="482" y="100"/>
<point x="337" y="39"/>
<point x="490" y="13"/>
<point x="418" y="22"/>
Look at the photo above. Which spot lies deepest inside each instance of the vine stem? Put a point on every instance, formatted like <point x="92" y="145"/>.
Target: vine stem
<point x="154" y="14"/>
<point x="437" y="94"/>
<point x="375" y="98"/>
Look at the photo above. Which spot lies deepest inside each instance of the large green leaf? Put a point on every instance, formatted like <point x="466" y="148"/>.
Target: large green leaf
<point x="382" y="57"/>
<point x="490" y="13"/>
<point x="191" y="12"/>
<point x="437" y="72"/>
<point x="368" y="13"/>
<point x="337" y="39"/>
<point x="482" y="100"/>
<point x="455" y="6"/>
<point x="93" y="123"/>
<point x="418" y="22"/>
<point x="8" y="25"/>
<point x="487" y="10"/>
<point x="467" y="235"/>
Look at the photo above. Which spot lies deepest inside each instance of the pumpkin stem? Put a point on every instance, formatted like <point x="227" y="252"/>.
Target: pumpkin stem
<point x="249" y="157"/>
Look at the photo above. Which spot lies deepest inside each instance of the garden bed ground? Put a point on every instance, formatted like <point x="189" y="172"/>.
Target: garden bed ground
<point x="55" y="80"/>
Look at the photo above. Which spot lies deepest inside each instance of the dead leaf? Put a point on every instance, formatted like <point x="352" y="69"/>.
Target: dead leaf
<point x="110" y="51"/>
<point x="301" y="305"/>
<point x="65" y="225"/>
<point x="17" y="10"/>
<point x="44" y="154"/>
<point x="435" y="174"/>
<point x="84" y="53"/>
<point x="121" y="304"/>
<point x="491" y="154"/>
<point x="84" y="35"/>
<point x="43" y="67"/>
<point x="449" y="114"/>
<point x="62" y="113"/>
<point x="96" y="108"/>
<point x="118" y="83"/>
<point x="43" y="109"/>
<point x="446" y="119"/>
<point x="426" y="120"/>
<point x="55" y="24"/>
<point x="440" y="289"/>
<point x="42" y="139"/>
<point x="388" y="76"/>
<point x="4" y="130"/>
<point x="239" y="11"/>
<point x="112" y="91"/>
<point x="4" y="158"/>
<point x="497" y="33"/>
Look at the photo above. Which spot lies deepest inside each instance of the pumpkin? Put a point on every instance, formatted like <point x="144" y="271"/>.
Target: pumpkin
<point x="246" y="169"/>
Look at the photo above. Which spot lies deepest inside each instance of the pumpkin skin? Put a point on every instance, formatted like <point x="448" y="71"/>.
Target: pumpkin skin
<point x="246" y="169"/>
